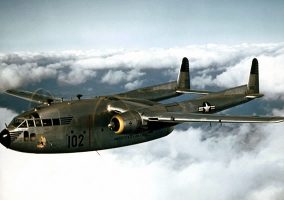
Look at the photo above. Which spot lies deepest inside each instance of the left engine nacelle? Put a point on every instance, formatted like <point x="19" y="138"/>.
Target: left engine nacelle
<point x="126" y="123"/>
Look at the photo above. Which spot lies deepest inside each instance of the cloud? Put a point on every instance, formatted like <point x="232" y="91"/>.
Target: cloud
<point x="211" y="65"/>
<point x="5" y="117"/>
<point x="133" y="85"/>
<point x="271" y="75"/>
<point x="278" y="112"/>
<point x="197" y="163"/>
<point x="76" y="76"/>
<point x="241" y="164"/>
<point x="113" y="77"/>
<point x="17" y="75"/>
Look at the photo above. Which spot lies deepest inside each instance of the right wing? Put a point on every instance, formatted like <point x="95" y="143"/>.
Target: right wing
<point x="129" y="121"/>
<point x="32" y="96"/>
<point x="176" y="118"/>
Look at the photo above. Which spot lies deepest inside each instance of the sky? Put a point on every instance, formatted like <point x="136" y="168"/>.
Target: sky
<point x="103" y="47"/>
<point x="63" y="25"/>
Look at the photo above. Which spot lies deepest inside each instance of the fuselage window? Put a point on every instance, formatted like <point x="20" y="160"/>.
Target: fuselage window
<point x="55" y="122"/>
<point x="31" y="123"/>
<point x="26" y="136"/>
<point x="38" y="122"/>
<point x="32" y="136"/>
<point x="46" y="122"/>
<point x="23" y="125"/>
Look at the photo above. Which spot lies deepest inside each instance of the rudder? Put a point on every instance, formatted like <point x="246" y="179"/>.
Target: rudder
<point x="183" y="81"/>
<point x="253" y="84"/>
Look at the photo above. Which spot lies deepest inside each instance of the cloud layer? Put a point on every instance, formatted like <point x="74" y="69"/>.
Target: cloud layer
<point x="195" y="162"/>
<point x="212" y="65"/>
<point x="5" y="117"/>
<point x="226" y="163"/>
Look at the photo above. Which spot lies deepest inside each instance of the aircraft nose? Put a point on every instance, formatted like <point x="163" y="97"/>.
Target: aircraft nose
<point x="5" y="138"/>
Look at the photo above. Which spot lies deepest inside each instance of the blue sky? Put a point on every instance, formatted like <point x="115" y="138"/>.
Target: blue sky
<point x="60" y="25"/>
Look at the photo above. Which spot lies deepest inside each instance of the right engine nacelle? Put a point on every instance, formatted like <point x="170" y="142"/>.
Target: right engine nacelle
<point x="126" y="123"/>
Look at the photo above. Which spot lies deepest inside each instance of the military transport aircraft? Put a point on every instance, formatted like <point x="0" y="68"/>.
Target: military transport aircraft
<point x="57" y="126"/>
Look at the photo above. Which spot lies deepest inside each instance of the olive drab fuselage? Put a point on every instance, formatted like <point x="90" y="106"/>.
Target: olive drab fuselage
<point x="74" y="126"/>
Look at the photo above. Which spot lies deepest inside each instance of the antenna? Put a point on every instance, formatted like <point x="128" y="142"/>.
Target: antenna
<point x="79" y="96"/>
<point x="49" y="101"/>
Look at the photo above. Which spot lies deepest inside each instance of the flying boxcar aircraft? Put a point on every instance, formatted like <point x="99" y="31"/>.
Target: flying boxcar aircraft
<point x="57" y="126"/>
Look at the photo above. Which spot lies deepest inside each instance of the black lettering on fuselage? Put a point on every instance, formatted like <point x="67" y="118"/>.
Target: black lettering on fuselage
<point x="74" y="141"/>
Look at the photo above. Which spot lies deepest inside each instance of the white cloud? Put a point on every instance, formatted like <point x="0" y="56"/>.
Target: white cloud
<point x="133" y="85"/>
<point x="278" y="112"/>
<point x="13" y="75"/>
<point x="271" y="75"/>
<point x="220" y="167"/>
<point x="221" y="65"/>
<point x="76" y="76"/>
<point x="183" y="165"/>
<point x="114" y="77"/>
<point x="5" y="117"/>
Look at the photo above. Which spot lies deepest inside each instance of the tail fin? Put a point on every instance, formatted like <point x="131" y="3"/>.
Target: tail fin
<point x="253" y="84"/>
<point x="183" y="82"/>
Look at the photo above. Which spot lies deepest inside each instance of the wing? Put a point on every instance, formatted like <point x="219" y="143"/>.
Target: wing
<point x="153" y="93"/>
<point x="171" y="117"/>
<point x="166" y="90"/>
<point x="32" y="96"/>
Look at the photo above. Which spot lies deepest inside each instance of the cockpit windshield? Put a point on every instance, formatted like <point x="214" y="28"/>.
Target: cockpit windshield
<point x="17" y="122"/>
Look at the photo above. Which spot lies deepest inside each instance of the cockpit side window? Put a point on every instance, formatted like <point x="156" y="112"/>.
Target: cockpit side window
<point x="38" y="122"/>
<point x="23" y="125"/>
<point x="46" y="122"/>
<point x="31" y="123"/>
<point x="55" y="122"/>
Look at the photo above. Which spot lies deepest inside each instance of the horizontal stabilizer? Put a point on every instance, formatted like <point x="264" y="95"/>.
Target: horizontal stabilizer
<point x="189" y="91"/>
<point x="254" y="96"/>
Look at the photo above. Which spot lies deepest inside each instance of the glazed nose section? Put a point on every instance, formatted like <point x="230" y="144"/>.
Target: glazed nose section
<point x="5" y="138"/>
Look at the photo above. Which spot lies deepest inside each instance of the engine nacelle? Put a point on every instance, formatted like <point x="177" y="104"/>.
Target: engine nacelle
<point x="125" y="123"/>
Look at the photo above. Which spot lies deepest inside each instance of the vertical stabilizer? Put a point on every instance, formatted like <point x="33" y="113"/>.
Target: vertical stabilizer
<point x="183" y="81"/>
<point x="253" y="84"/>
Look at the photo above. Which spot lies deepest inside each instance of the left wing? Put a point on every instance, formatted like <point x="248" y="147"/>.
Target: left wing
<point x="172" y="117"/>
<point x="32" y="96"/>
<point x="166" y="90"/>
